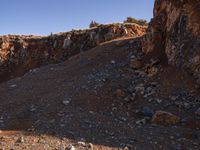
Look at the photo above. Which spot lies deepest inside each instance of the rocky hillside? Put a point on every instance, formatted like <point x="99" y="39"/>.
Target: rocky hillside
<point x="114" y="87"/>
<point x="19" y="54"/>
<point x="105" y="98"/>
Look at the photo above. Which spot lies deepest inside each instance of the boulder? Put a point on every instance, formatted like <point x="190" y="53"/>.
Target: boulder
<point x="165" y="118"/>
<point x="136" y="64"/>
<point x="120" y="93"/>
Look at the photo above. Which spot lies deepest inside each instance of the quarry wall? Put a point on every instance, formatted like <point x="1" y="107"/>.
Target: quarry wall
<point x="19" y="54"/>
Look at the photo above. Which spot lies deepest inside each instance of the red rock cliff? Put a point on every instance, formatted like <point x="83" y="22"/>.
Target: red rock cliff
<point x="174" y="33"/>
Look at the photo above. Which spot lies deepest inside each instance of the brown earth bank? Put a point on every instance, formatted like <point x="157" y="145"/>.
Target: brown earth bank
<point x="109" y="89"/>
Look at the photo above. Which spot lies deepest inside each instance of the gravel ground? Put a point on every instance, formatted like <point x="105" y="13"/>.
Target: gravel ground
<point x="105" y="98"/>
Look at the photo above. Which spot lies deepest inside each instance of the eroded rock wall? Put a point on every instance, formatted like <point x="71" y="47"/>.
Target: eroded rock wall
<point x="174" y="33"/>
<point x="19" y="54"/>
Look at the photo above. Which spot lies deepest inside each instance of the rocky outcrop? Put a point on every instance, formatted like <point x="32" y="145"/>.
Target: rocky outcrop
<point x="19" y="54"/>
<point x="174" y="33"/>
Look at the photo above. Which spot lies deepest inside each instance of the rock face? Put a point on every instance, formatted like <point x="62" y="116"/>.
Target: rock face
<point x="174" y="33"/>
<point x="19" y="54"/>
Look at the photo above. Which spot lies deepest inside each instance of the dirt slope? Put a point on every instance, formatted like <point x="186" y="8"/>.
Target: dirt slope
<point x="96" y="100"/>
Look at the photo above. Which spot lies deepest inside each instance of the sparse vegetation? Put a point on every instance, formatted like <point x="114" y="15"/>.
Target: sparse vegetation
<point x="94" y="24"/>
<point x="141" y="22"/>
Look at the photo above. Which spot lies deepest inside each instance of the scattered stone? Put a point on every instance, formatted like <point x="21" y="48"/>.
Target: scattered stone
<point x="13" y="85"/>
<point x="90" y="145"/>
<point x="141" y="122"/>
<point x="80" y="143"/>
<point x="165" y="118"/>
<point x="126" y="148"/>
<point x="130" y="98"/>
<point x="186" y="105"/>
<point x="66" y="101"/>
<point x="152" y="71"/>
<point x="20" y="140"/>
<point x="136" y="64"/>
<point x="140" y="88"/>
<point x="112" y="62"/>
<point x="132" y="57"/>
<point x="70" y="147"/>
<point x="120" y="93"/>
<point x="32" y="108"/>
<point x="62" y="125"/>
<point x="159" y="101"/>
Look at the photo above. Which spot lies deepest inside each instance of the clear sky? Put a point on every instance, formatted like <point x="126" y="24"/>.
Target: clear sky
<point x="42" y="17"/>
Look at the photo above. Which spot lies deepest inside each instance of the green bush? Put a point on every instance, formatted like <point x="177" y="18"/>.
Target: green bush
<point x="141" y="22"/>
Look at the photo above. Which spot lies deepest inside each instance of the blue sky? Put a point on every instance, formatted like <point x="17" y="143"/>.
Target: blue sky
<point x="42" y="17"/>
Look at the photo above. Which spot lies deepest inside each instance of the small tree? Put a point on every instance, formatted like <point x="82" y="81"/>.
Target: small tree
<point x="141" y="22"/>
<point x="130" y="20"/>
<point x="94" y="24"/>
